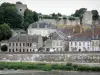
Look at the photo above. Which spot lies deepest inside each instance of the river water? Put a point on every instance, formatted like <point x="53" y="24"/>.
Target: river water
<point x="19" y="72"/>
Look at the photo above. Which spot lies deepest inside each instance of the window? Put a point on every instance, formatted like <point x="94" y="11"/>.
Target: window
<point x="75" y="43"/>
<point x="20" y="50"/>
<point x="92" y="43"/>
<point x="84" y="43"/>
<point x="57" y="43"/>
<point x="88" y="43"/>
<point x="9" y="50"/>
<point x="27" y="44"/>
<point x="16" y="44"/>
<point x="30" y="44"/>
<point x="20" y="44"/>
<point x="23" y="44"/>
<point x="13" y="44"/>
<point x="30" y="50"/>
<point x="13" y="50"/>
<point x="60" y="49"/>
<point x="16" y="50"/>
<point x="23" y="50"/>
<point x="79" y="43"/>
<point x="71" y="43"/>
<point x="27" y="50"/>
<point x="9" y="44"/>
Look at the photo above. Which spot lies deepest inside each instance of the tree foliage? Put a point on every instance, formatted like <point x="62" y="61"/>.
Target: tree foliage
<point x="5" y="32"/>
<point x="95" y="15"/>
<point x="18" y="2"/>
<point x="77" y="29"/>
<point x="8" y="13"/>
<point x="79" y="13"/>
<point x="4" y="48"/>
<point x="29" y="17"/>
<point x="71" y="18"/>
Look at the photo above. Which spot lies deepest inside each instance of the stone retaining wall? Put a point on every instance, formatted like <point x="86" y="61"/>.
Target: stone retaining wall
<point x="53" y="58"/>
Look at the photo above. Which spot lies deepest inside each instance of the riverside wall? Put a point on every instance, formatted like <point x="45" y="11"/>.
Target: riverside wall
<point x="75" y="57"/>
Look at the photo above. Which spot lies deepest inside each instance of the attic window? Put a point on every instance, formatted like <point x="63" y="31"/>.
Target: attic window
<point x="20" y="9"/>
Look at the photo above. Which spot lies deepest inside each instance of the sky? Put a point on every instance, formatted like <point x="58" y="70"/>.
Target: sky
<point x="65" y="7"/>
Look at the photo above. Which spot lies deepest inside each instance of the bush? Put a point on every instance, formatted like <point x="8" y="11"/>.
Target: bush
<point x="46" y="67"/>
<point x="4" y="48"/>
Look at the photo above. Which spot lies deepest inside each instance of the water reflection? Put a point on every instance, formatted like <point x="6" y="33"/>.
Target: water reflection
<point x="47" y="73"/>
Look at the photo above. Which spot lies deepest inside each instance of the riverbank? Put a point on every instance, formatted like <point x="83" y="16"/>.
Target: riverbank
<point x="47" y="66"/>
<point x="37" y="72"/>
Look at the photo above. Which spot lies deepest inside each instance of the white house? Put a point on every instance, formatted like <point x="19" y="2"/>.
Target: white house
<point x="80" y="44"/>
<point x="41" y="28"/>
<point x="95" y="42"/>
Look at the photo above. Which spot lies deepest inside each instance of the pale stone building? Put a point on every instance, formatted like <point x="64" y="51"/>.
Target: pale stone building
<point x="58" y="42"/>
<point x="87" y="18"/>
<point x="41" y="28"/>
<point x="24" y="43"/>
<point x="21" y="8"/>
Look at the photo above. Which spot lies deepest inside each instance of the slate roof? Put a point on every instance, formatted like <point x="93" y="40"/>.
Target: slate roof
<point x="48" y="43"/>
<point x="57" y="36"/>
<point x="42" y="24"/>
<point x="24" y="38"/>
<point x="80" y="39"/>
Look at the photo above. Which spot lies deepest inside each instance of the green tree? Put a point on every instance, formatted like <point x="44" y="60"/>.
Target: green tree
<point x="95" y="16"/>
<point x="35" y="16"/>
<point x="29" y="17"/>
<point x="54" y="16"/>
<point x="8" y="13"/>
<point x="59" y="14"/>
<point x="5" y="32"/>
<point x="4" y="48"/>
<point x="71" y="19"/>
<point x="19" y="2"/>
<point x="79" y="13"/>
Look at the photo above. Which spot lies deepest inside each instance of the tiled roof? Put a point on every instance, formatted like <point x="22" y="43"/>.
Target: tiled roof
<point x="89" y="34"/>
<point x="42" y="24"/>
<point x="24" y="38"/>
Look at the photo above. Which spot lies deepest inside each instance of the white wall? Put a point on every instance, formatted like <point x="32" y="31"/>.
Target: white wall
<point x="87" y="18"/>
<point x="86" y="44"/>
<point x="40" y="31"/>
<point x="58" y="45"/>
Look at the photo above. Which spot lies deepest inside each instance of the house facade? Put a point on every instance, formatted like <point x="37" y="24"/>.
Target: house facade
<point x="24" y="43"/>
<point x="80" y="44"/>
<point x="95" y="42"/>
<point x="41" y="28"/>
<point x="58" y="42"/>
